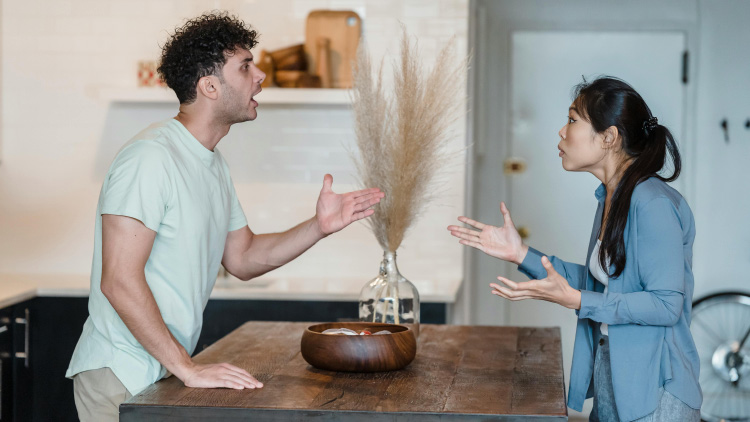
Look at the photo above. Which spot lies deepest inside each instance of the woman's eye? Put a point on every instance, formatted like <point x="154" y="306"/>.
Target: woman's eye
<point x="570" y="120"/>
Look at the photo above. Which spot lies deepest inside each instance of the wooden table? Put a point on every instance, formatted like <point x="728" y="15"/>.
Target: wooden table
<point x="460" y="373"/>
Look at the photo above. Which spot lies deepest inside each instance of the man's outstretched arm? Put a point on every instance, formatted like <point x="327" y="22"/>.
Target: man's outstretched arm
<point x="248" y="255"/>
<point x="126" y="246"/>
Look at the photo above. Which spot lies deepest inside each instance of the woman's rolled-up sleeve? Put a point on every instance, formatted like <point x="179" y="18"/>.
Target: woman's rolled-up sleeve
<point x="532" y="267"/>
<point x="661" y="268"/>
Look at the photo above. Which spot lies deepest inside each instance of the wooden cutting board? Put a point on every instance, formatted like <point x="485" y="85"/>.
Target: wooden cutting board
<point x="343" y="29"/>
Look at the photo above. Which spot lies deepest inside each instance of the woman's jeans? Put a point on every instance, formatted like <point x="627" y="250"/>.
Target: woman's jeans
<point x="670" y="408"/>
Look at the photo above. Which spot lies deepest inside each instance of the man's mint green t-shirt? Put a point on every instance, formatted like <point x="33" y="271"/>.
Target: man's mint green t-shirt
<point x="165" y="178"/>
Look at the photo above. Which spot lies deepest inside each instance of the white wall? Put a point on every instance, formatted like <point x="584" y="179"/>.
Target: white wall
<point x="58" y="137"/>
<point x="722" y="177"/>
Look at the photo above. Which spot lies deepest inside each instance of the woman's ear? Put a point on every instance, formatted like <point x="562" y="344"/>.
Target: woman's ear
<point x="208" y="87"/>
<point x="611" y="138"/>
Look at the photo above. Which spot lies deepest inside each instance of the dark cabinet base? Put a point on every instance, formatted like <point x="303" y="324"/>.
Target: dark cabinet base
<point x="6" y="364"/>
<point x="42" y="393"/>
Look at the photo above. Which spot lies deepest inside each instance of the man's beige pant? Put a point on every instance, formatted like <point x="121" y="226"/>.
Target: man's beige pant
<point x="98" y="395"/>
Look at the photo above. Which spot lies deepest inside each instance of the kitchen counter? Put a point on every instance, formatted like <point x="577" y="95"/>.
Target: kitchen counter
<point x="16" y="288"/>
<point x="460" y="373"/>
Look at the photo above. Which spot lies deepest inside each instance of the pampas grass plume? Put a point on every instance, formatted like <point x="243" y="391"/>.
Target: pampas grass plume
<point x="402" y="137"/>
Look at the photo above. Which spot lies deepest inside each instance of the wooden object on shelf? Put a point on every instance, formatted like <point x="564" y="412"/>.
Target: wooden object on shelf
<point x="290" y="58"/>
<point x="460" y="373"/>
<point x="266" y="65"/>
<point x="343" y="28"/>
<point x="288" y="78"/>
<point x="365" y="353"/>
<point x="323" y="61"/>
<point x="296" y="79"/>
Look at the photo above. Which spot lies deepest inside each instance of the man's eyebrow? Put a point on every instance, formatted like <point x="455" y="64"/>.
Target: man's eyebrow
<point x="247" y="59"/>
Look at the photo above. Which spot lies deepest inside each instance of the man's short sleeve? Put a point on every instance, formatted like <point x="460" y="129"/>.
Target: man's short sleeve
<point x="237" y="218"/>
<point x="138" y="184"/>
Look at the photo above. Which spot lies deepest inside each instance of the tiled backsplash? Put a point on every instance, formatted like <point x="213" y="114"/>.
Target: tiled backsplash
<point x="59" y="139"/>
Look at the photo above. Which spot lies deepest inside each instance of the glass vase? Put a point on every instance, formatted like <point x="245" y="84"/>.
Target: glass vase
<point x="390" y="298"/>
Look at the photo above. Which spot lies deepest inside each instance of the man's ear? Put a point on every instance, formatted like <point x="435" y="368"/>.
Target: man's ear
<point x="208" y="86"/>
<point x="611" y="137"/>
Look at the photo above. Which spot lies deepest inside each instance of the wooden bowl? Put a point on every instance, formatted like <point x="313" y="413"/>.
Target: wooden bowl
<point x="296" y="79"/>
<point x="290" y="58"/>
<point x="386" y="352"/>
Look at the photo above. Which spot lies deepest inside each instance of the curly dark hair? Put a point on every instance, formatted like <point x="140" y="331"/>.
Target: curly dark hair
<point x="200" y="48"/>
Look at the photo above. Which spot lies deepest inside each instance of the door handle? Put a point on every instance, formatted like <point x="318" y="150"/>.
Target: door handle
<point x="514" y="165"/>
<point x="523" y="231"/>
<point x="26" y="322"/>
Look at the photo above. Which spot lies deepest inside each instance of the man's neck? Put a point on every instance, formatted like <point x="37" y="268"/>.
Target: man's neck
<point x="202" y="126"/>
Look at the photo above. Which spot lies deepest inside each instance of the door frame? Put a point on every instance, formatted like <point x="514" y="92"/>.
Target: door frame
<point x="493" y="104"/>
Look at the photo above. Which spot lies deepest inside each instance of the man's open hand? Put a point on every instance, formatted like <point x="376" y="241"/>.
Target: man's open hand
<point x="335" y="211"/>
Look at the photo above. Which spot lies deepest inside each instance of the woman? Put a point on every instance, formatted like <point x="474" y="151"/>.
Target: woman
<point x="637" y="285"/>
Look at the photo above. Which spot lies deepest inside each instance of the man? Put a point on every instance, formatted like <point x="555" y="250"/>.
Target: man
<point x="168" y="216"/>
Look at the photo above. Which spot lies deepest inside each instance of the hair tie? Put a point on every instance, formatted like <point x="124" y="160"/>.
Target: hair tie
<point x="650" y="124"/>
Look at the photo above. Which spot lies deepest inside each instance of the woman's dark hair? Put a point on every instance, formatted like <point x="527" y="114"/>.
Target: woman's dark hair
<point x="607" y="102"/>
<point x="200" y="48"/>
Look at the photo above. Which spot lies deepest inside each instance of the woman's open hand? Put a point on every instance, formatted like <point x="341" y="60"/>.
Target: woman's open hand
<point x="501" y="242"/>
<point x="554" y="288"/>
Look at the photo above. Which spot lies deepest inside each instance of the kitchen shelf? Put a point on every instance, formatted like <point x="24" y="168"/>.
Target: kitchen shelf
<point x="157" y="95"/>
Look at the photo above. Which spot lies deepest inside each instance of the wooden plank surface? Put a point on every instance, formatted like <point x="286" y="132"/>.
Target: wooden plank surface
<point x="459" y="373"/>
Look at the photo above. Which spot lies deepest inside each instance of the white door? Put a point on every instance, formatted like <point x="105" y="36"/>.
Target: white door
<point x="557" y="207"/>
